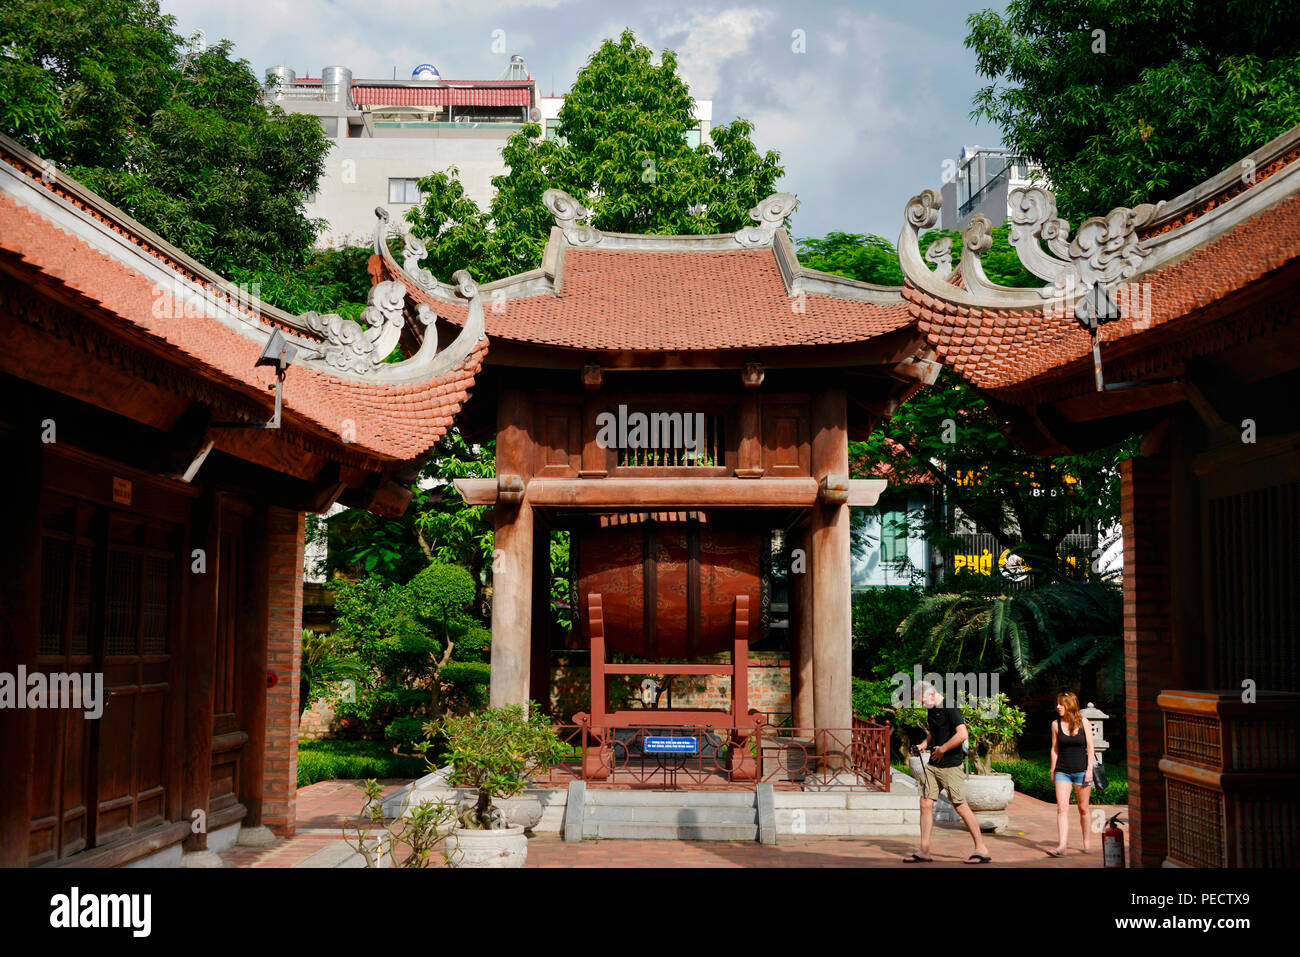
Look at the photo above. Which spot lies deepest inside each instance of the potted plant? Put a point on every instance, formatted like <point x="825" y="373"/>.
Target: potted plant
<point x="989" y="721"/>
<point x="494" y="753"/>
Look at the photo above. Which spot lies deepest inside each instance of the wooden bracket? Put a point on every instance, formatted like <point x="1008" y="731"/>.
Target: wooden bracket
<point x="833" y="490"/>
<point x="510" y="489"/>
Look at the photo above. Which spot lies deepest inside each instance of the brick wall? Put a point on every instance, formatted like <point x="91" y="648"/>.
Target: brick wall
<point x="1148" y="665"/>
<point x="769" y="687"/>
<point x="284" y="543"/>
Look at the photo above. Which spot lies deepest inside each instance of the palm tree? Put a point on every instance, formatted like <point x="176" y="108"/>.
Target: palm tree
<point x="1067" y="621"/>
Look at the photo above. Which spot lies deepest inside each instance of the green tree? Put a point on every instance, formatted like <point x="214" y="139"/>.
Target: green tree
<point x="624" y="154"/>
<point x="1125" y="102"/>
<point x="172" y="132"/>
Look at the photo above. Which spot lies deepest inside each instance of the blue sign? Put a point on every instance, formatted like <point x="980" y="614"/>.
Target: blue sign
<point x="670" y="746"/>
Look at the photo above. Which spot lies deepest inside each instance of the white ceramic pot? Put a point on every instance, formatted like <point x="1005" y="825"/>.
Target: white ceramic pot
<point x="522" y="810"/>
<point x="988" y="796"/>
<point x="504" y="847"/>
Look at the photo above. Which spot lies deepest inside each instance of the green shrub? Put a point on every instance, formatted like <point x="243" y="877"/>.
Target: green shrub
<point x="873" y="699"/>
<point x="1032" y="778"/>
<point x="877" y="613"/>
<point x="343" y="760"/>
<point x="474" y="645"/>
<point x="468" y="681"/>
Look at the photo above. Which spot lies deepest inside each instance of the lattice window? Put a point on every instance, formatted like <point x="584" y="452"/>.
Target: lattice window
<point x="81" y="589"/>
<point x="1196" y="825"/>
<point x="157" y="579"/>
<point x="1194" y="738"/>
<point x="663" y="442"/>
<point x="122" y="608"/>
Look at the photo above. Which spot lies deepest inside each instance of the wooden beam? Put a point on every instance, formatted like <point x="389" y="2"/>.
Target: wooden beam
<point x="1104" y="405"/>
<point x="866" y="492"/>
<point x="675" y="493"/>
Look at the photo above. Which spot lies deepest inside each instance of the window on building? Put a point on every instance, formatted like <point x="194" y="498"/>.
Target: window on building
<point x="693" y="137"/>
<point x="330" y="124"/>
<point x="403" y="190"/>
<point x="553" y="132"/>
<point x="893" y="536"/>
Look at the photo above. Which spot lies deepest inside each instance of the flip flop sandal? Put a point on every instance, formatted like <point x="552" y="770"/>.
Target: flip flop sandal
<point x="917" y="859"/>
<point x="1055" y="854"/>
<point x="978" y="859"/>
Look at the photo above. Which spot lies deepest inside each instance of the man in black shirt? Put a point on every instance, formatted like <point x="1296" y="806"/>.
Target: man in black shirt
<point x="944" y="772"/>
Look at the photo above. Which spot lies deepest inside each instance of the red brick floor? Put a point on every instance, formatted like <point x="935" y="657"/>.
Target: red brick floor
<point x="324" y="808"/>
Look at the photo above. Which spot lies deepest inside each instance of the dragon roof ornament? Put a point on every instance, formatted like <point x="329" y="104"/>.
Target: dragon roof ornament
<point x="360" y="347"/>
<point x="1105" y="250"/>
<point x="770" y="214"/>
<point x="569" y="213"/>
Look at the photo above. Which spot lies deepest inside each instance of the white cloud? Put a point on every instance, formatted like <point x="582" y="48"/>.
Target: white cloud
<point x="710" y="40"/>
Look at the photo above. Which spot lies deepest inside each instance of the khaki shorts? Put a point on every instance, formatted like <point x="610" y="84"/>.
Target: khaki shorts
<point x="952" y="780"/>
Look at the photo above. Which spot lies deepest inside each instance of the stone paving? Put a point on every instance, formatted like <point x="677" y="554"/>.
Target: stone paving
<point x="325" y="807"/>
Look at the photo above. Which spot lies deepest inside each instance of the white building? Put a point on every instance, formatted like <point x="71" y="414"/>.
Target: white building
<point x="983" y="183"/>
<point x="388" y="134"/>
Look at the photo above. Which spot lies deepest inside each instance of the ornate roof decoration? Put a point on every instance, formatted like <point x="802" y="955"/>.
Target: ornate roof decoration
<point x="770" y="215"/>
<point x="568" y="213"/>
<point x="1128" y="272"/>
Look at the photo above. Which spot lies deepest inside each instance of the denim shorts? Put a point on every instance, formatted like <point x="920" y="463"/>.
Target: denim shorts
<point x="1065" y="777"/>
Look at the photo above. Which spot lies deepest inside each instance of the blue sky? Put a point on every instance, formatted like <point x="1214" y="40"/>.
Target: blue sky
<point x="863" y="119"/>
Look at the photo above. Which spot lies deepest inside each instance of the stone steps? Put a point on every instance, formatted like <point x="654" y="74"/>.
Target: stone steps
<point x="670" y="815"/>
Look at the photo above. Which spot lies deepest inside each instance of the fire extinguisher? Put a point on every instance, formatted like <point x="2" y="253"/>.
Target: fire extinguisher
<point x="1112" y="843"/>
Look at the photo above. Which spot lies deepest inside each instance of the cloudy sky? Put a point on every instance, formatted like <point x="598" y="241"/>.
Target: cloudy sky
<point x="863" y="118"/>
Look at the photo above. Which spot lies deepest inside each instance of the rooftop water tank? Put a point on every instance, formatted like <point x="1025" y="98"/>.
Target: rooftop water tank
<point x="280" y="78"/>
<point x="336" y="84"/>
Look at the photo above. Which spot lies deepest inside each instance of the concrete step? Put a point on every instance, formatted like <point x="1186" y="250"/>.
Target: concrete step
<point x="671" y="832"/>
<point x="610" y="797"/>
<point x="675" y="815"/>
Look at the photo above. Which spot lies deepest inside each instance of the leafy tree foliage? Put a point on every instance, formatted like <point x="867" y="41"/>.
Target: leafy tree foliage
<point x="624" y="154"/>
<point x="172" y="132"/>
<point x="1132" y="101"/>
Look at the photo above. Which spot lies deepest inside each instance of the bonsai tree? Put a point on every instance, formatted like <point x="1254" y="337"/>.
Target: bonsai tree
<point x="409" y="841"/>
<point x="989" y="721"/>
<point x="496" y="752"/>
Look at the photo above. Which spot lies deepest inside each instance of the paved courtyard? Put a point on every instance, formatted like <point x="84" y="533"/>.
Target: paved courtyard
<point x="324" y="808"/>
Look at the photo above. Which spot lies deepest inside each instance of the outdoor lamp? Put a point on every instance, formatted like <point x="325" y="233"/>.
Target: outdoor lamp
<point x="1096" y="717"/>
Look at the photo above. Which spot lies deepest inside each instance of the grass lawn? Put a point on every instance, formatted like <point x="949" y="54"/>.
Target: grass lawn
<point x="332" y="760"/>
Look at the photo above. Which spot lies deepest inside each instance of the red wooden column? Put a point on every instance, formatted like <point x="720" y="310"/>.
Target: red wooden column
<point x="202" y="590"/>
<point x="283" y="626"/>
<point x="20" y="594"/>
<point x="831" y="586"/>
<point x="801" y="661"/>
<point x="1148" y="659"/>
<point x="512" y="560"/>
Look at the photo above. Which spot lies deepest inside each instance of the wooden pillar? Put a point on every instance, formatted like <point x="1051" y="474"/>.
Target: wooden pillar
<point x="539" y="682"/>
<point x="1148" y="663"/>
<point x="831" y="586"/>
<point x="200" y="649"/>
<point x="801" y="660"/>
<point x="512" y="560"/>
<point x="749" y="451"/>
<point x="20" y="611"/>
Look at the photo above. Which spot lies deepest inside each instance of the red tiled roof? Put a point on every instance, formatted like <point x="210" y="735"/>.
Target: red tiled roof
<point x="654" y="301"/>
<point x="998" y="349"/>
<point x="396" y="422"/>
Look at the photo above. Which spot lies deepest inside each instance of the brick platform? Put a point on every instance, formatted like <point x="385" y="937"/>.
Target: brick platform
<point x="323" y="809"/>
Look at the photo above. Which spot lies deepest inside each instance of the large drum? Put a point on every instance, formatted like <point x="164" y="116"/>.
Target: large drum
<point x="669" y="588"/>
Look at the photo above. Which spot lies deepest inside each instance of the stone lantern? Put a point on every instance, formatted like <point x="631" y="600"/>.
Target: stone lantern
<point x="1096" y="717"/>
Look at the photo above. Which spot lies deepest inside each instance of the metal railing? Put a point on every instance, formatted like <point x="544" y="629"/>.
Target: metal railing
<point x="790" y="758"/>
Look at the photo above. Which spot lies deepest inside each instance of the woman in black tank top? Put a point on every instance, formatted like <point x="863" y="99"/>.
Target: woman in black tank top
<point x="1072" y="761"/>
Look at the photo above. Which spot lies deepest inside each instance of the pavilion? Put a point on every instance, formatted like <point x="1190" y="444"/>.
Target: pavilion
<point x="674" y="543"/>
<point x="1176" y="322"/>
